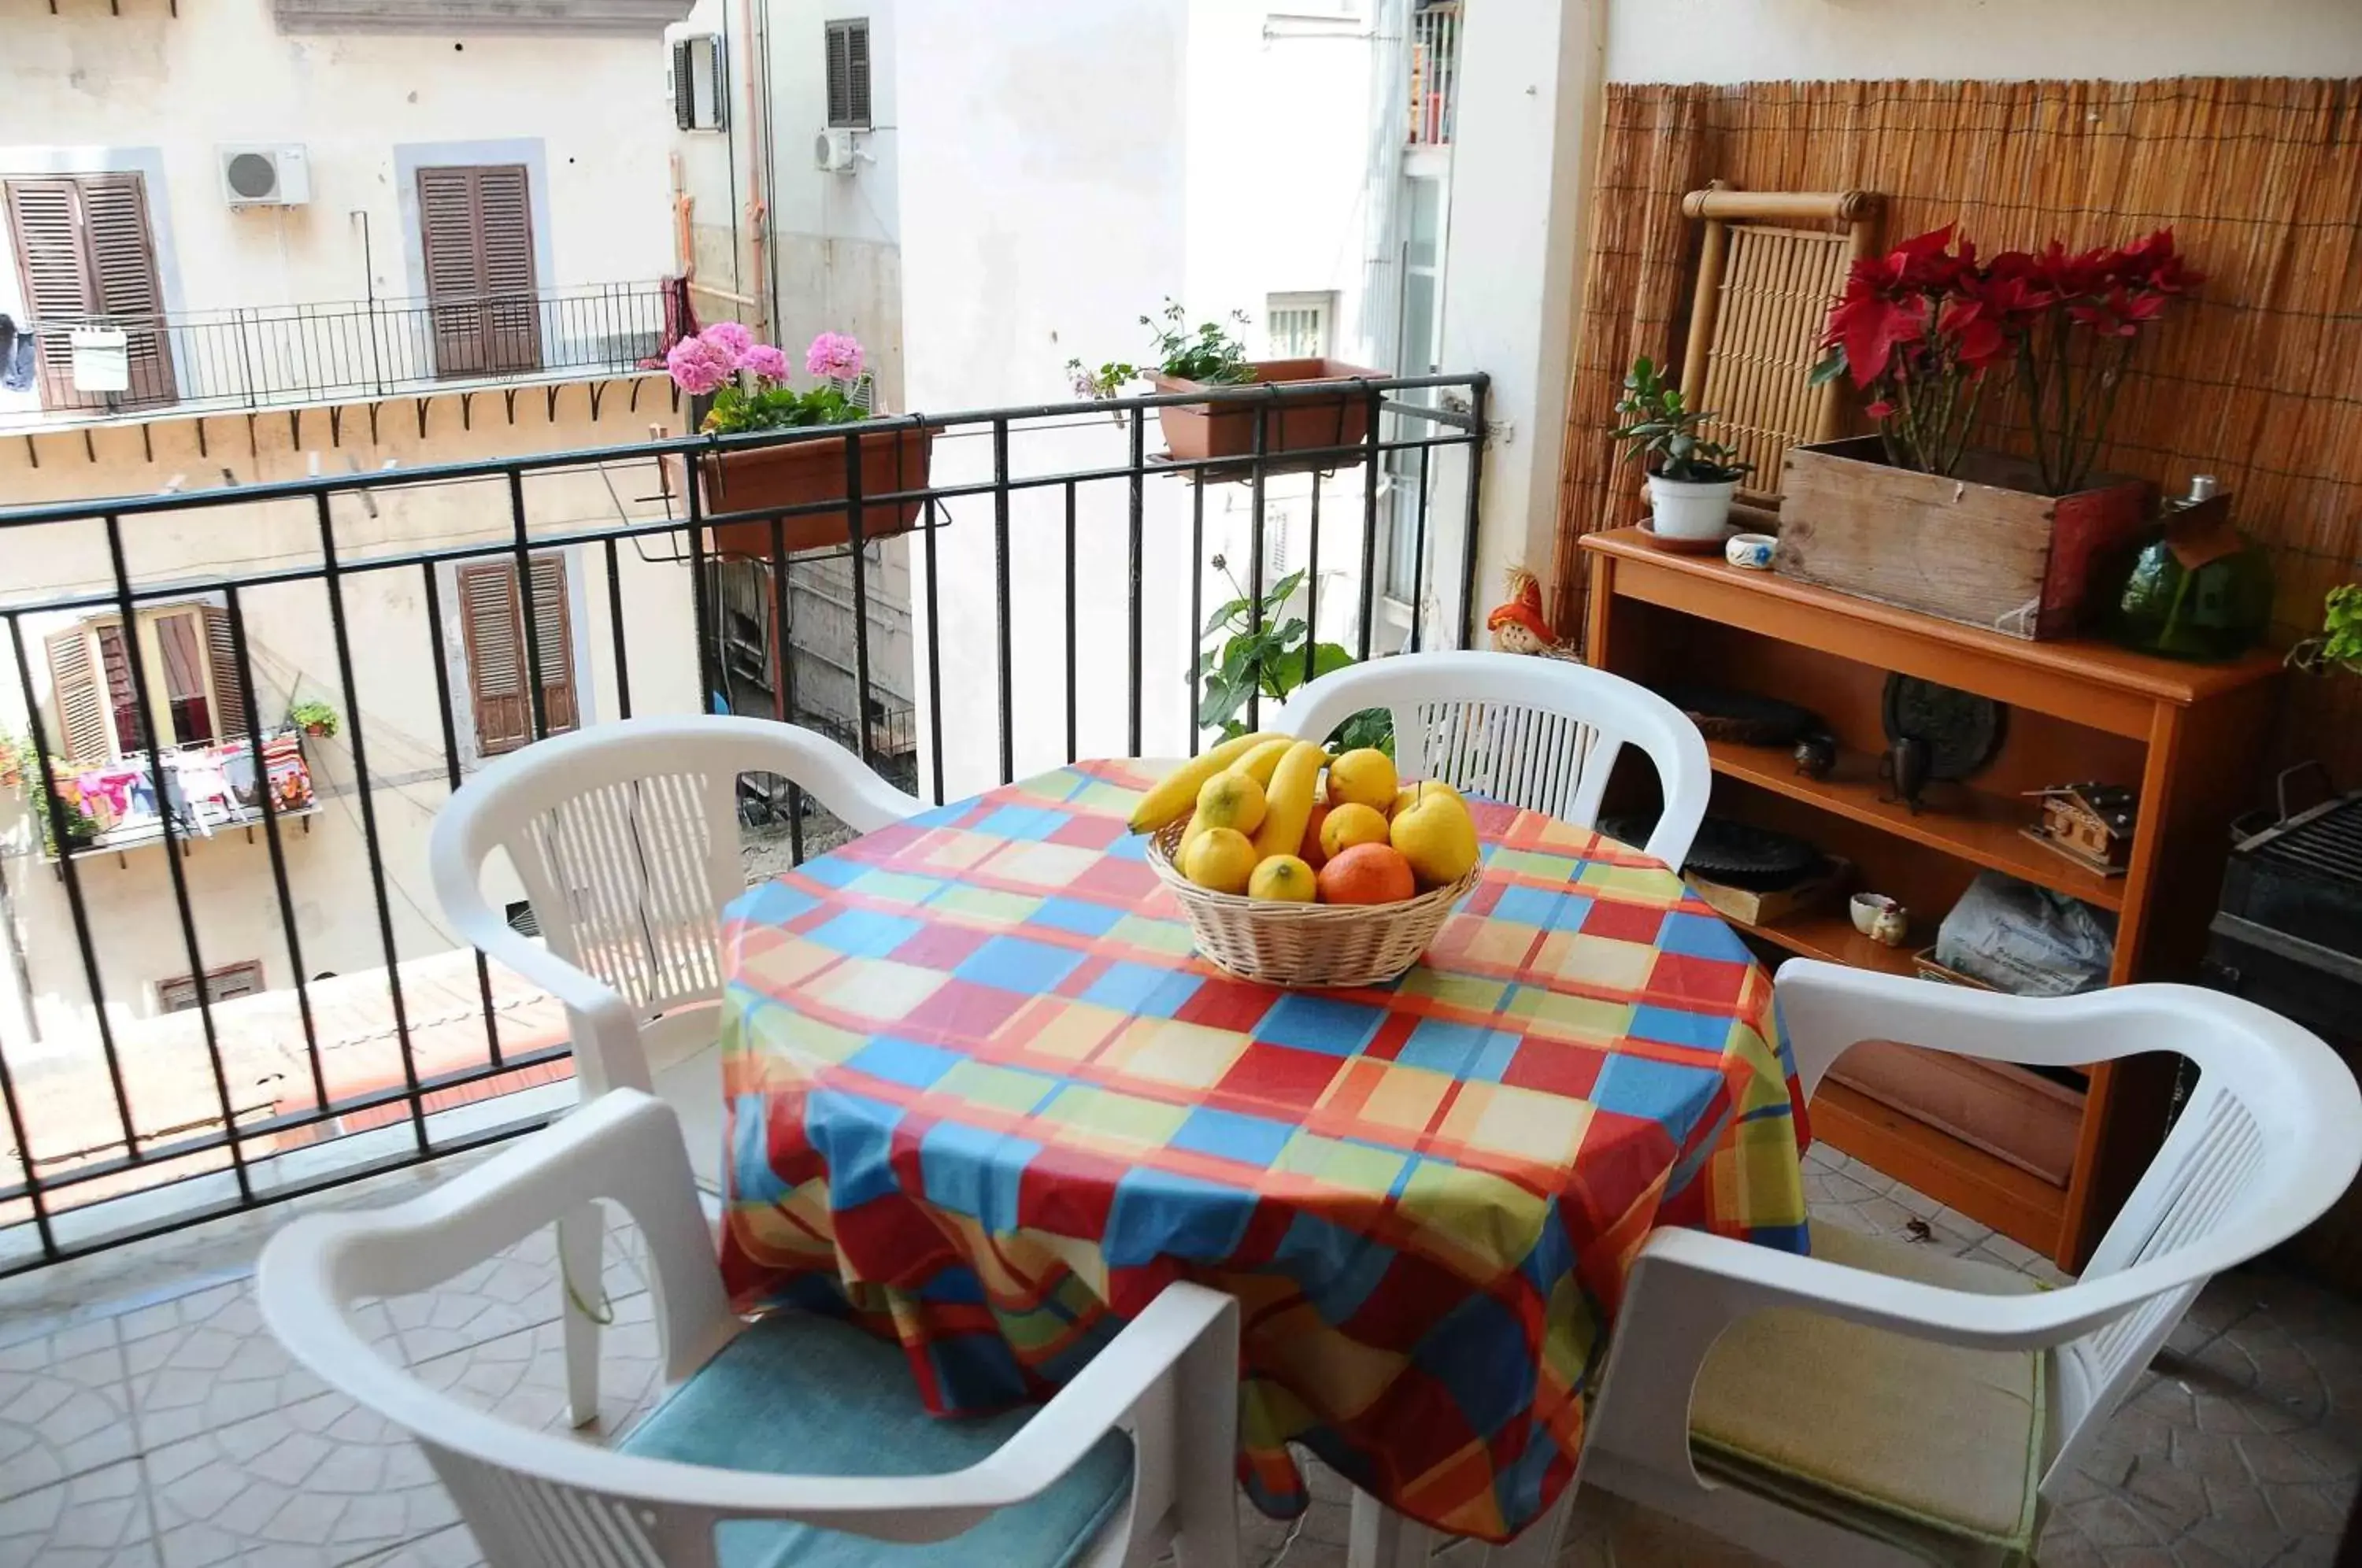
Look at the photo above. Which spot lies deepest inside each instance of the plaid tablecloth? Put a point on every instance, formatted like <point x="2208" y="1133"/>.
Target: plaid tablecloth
<point x="983" y="1097"/>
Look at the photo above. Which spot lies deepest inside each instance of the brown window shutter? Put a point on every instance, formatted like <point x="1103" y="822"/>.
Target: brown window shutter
<point x="122" y="695"/>
<point x="123" y="263"/>
<point x="552" y="630"/>
<point x="229" y="693"/>
<point x="73" y="687"/>
<point x="856" y="74"/>
<point x="45" y="227"/>
<point x="495" y="643"/>
<point x="476" y="233"/>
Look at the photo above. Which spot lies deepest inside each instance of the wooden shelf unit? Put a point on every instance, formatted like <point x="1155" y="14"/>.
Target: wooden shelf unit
<point x="2190" y="736"/>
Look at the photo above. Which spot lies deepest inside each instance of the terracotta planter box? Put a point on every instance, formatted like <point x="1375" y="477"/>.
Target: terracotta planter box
<point x="803" y="473"/>
<point x="1981" y="547"/>
<point x="1298" y="424"/>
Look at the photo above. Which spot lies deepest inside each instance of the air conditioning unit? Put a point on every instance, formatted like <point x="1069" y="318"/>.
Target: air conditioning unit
<point x="834" y="151"/>
<point x="269" y="175"/>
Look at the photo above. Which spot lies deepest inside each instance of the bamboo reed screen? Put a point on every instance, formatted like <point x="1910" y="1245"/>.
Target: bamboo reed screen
<point x="2258" y="382"/>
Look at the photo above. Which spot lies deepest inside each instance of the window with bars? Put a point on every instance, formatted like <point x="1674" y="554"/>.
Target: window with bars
<point x="86" y="256"/>
<point x="1295" y="327"/>
<point x="180" y="993"/>
<point x="847" y="43"/>
<point x="493" y="633"/>
<point x="475" y="233"/>
<point x="191" y="666"/>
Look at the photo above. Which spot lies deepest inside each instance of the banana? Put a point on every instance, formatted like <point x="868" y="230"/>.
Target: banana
<point x="1258" y="764"/>
<point x="1176" y="792"/>
<point x="1287" y="804"/>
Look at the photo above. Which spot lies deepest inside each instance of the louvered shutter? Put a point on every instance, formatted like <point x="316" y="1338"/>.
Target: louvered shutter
<point x="123" y="261"/>
<point x="84" y="734"/>
<point x="44" y="223"/>
<point x="229" y="692"/>
<point x="476" y="232"/>
<point x="553" y="632"/>
<point x="848" y="74"/>
<point x="122" y="693"/>
<point x="684" y="87"/>
<point x="496" y="645"/>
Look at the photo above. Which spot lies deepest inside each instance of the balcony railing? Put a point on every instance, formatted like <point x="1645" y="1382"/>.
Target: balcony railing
<point x="1434" y="72"/>
<point x="220" y="360"/>
<point x="1059" y="570"/>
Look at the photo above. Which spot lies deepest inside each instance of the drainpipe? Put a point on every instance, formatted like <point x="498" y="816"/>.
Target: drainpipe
<point x="758" y="215"/>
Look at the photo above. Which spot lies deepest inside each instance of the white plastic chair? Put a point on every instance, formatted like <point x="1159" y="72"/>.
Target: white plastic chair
<point x="1538" y="733"/>
<point x="1059" y="1489"/>
<point x="626" y="837"/>
<point x="1740" y="1437"/>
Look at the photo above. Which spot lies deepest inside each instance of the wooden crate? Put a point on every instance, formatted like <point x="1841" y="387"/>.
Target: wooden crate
<point x="1752" y="906"/>
<point x="2004" y="1110"/>
<point x="1981" y="547"/>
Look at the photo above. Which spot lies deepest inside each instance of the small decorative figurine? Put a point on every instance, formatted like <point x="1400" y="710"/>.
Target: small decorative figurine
<point x="2088" y="823"/>
<point x="1881" y="919"/>
<point x="1519" y="626"/>
<point x="1904" y="768"/>
<point x="1816" y="753"/>
<point x="1750" y="551"/>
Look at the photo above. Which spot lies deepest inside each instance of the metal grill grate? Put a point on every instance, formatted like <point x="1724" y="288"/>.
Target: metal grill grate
<point x="2329" y="845"/>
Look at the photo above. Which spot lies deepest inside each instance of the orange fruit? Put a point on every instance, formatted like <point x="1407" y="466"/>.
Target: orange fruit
<point x="1367" y="874"/>
<point x="1310" y="852"/>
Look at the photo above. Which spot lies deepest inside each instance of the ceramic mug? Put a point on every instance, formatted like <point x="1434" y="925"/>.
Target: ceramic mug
<point x="1752" y="551"/>
<point x="1881" y="919"/>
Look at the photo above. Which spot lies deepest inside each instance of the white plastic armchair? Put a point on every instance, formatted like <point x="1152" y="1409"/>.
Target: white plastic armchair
<point x="2270" y="1137"/>
<point x="1538" y="733"/>
<point x="626" y="837"/>
<point x="1169" y="1381"/>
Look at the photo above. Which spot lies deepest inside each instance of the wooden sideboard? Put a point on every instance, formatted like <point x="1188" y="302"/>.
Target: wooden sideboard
<point x="2190" y="736"/>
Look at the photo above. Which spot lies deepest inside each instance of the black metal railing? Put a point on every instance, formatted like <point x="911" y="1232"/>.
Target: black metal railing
<point x="208" y="360"/>
<point x="1034" y="536"/>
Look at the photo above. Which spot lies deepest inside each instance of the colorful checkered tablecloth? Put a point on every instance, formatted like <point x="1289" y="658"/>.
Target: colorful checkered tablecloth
<point x="983" y="1097"/>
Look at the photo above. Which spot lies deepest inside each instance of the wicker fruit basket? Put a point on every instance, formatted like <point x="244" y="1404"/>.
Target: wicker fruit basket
<point x="1307" y="944"/>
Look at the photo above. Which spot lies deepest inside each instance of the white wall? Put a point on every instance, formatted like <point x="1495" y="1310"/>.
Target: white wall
<point x="1756" y="40"/>
<point x="85" y="90"/>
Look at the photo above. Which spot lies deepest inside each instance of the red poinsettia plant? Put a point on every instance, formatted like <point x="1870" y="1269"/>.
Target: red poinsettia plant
<point x="1919" y="328"/>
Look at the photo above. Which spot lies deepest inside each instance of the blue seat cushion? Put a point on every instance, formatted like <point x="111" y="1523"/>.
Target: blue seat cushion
<point x="799" y="1393"/>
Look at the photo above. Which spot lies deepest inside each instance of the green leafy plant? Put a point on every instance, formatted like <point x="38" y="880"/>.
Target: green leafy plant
<point x="18" y="757"/>
<point x="1209" y="354"/>
<point x="313" y="716"/>
<point x="736" y="410"/>
<point x="81" y="828"/>
<point x="1260" y="648"/>
<point x="2339" y="646"/>
<point x="1662" y="432"/>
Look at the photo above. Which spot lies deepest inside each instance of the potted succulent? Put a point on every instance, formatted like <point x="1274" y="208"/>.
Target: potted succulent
<point x="1915" y="515"/>
<point x="1211" y="355"/>
<point x="2339" y="646"/>
<point x="1691" y="479"/>
<point x="748" y="384"/>
<point x="313" y="717"/>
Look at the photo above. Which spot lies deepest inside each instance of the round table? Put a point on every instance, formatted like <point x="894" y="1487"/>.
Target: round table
<point x="984" y="1099"/>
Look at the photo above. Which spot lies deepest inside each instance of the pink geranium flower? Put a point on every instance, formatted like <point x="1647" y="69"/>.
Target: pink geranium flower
<point x="836" y="354"/>
<point x="766" y="361"/>
<point x="699" y="366"/>
<point x="730" y="339"/>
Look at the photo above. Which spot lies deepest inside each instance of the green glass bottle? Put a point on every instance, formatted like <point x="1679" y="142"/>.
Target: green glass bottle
<point x="2196" y="588"/>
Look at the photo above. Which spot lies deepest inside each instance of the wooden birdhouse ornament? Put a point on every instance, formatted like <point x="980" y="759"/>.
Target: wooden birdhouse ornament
<point x="2089" y="823"/>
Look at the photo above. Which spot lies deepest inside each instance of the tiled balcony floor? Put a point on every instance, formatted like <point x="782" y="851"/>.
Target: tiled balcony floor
<point x="147" y="1419"/>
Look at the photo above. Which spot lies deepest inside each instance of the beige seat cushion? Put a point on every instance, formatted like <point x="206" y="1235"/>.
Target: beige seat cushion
<point x="1898" y="1438"/>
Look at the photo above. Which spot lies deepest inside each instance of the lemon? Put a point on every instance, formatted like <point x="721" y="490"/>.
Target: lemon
<point x="1230" y="800"/>
<point x="1220" y="860"/>
<point x="1435" y="833"/>
<point x="1283" y="878"/>
<point x="1346" y="826"/>
<point x="1364" y="777"/>
<point x="1412" y="791"/>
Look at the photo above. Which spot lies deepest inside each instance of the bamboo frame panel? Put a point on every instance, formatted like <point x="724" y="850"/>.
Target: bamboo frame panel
<point x="2258" y="381"/>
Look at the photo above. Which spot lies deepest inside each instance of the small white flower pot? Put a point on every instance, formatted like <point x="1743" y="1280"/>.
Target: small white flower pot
<point x="1690" y="509"/>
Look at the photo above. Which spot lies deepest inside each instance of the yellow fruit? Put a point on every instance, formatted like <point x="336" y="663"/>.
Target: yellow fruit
<point x="1410" y="791"/>
<point x="1197" y="825"/>
<point x="1364" y="777"/>
<point x="1173" y="795"/>
<point x="1289" y="801"/>
<point x="1222" y="859"/>
<point x="1283" y="878"/>
<point x="1435" y="833"/>
<point x="1346" y="826"/>
<point x="1257" y="764"/>
<point x="1231" y="799"/>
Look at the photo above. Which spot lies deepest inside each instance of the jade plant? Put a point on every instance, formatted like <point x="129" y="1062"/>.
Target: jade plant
<point x="2339" y="646"/>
